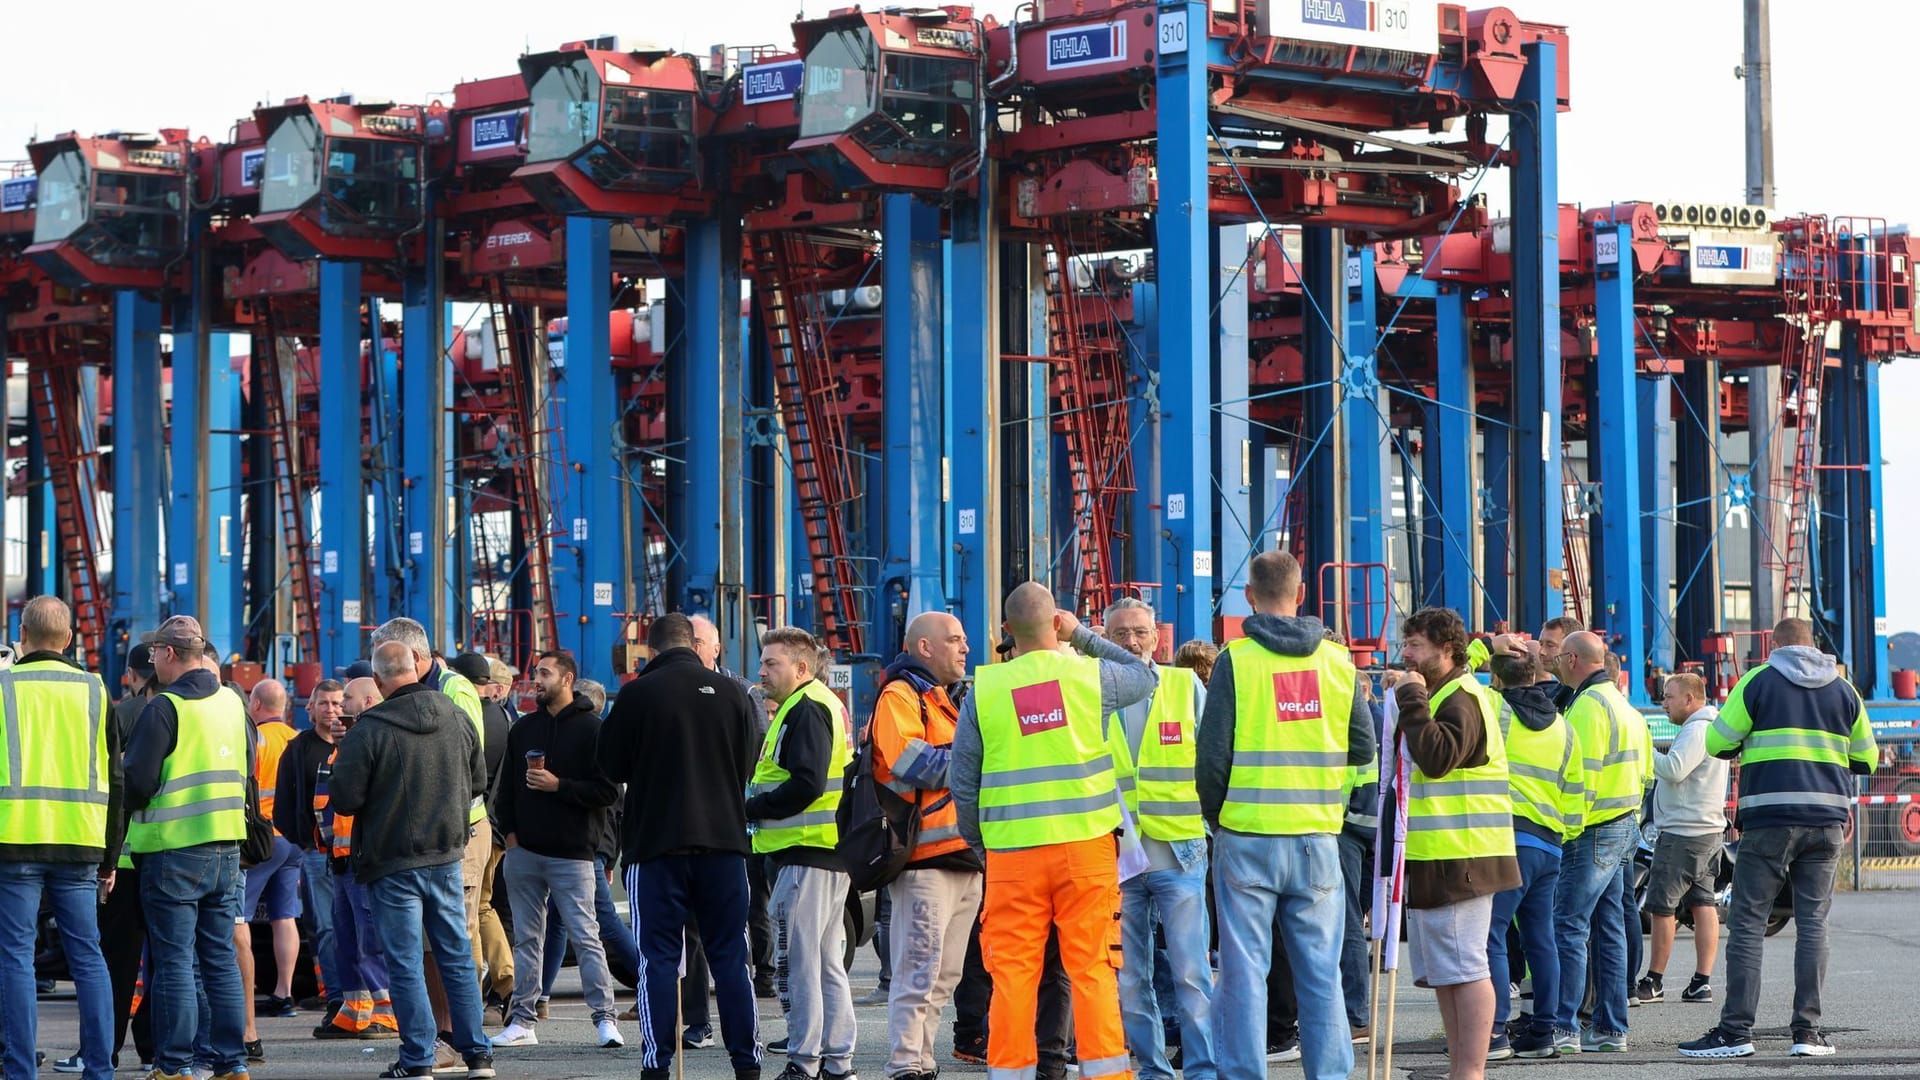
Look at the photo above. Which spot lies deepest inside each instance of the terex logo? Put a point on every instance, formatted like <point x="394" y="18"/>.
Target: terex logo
<point x="1296" y="695"/>
<point x="1040" y="707"/>
<point x="512" y="239"/>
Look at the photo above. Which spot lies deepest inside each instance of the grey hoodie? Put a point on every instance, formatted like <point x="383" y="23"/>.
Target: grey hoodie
<point x="1690" y="787"/>
<point x="407" y="772"/>
<point x="1803" y="665"/>
<point x="1288" y="635"/>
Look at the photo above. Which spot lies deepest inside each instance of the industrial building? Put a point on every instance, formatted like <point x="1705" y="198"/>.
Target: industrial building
<point x="922" y="305"/>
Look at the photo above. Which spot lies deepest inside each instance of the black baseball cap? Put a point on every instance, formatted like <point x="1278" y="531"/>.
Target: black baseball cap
<point x="474" y="666"/>
<point x="140" y="660"/>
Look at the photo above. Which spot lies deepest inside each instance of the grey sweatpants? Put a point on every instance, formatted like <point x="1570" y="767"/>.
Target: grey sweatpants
<point x="810" y="941"/>
<point x="531" y="879"/>
<point x="933" y="914"/>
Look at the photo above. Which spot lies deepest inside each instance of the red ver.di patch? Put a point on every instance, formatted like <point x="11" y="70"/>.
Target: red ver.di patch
<point x="1296" y="695"/>
<point x="1040" y="707"/>
<point x="1170" y="733"/>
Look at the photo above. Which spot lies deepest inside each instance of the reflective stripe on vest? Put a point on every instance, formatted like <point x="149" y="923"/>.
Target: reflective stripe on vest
<point x="1537" y="765"/>
<point x="1047" y="773"/>
<point x="202" y="796"/>
<point x="1468" y="813"/>
<point x="1612" y="734"/>
<point x="813" y="826"/>
<point x="1291" y="713"/>
<point x="55" y="792"/>
<point x="460" y="689"/>
<point x="1359" y="776"/>
<point x="1160" y="791"/>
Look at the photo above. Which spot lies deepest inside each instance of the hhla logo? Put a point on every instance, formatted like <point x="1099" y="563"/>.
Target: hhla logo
<point x="1040" y="707"/>
<point x="1296" y="695"/>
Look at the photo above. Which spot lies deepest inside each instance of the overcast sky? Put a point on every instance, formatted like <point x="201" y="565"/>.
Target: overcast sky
<point x="1657" y="112"/>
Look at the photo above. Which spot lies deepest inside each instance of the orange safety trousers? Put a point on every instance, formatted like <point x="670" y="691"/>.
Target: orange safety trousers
<point x="1075" y="887"/>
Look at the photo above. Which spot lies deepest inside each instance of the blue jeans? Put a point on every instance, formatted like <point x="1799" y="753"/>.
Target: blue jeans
<point x="1356" y="870"/>
<point x="192" y="896"/>
<point x="318" y="882"/>
<point x="414" y="909"/>
<point x="1180" y="898"/>
<point x="72" y="891"/>
<point x="1587" y="904"/>
<point x="1630" y="921"/>
<point x="1533" y="903"/>
<point x="1299" y="878"/>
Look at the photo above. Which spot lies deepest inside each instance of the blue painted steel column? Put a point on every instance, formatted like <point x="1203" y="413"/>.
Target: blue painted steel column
<point x="138" y="480"/>
<point x="912" y="411"/>
<point x="223" y="614"/>
<point x="1363" y="435"/>
<point x="1871" y="560"/>
<point x="1236" y="470"/>
<point x="1449" y="480"/>
<point x="1316" y="455"/>
<point x="1657" y="525"/>
<point x="343" y="493"/>
<point x="1496" y="524"/>
<point x="1140" y="559"/>
<point x="1183" y="243"/>
<point x="425" y="392"/>
<point x="972" y="516"/>
<point x="385" y="557"/>
<point x="1537" y="527"/>
<point x="711" y="371"/>
<point x="586" y="493"/>
<point x="1613" y="452"/>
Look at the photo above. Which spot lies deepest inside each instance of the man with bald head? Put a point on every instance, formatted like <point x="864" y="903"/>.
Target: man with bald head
<point x="1617" y="758"/>
<point x="937" y="896"/>
<point x="1035" y="771"/>
<point x="276" y="880"/>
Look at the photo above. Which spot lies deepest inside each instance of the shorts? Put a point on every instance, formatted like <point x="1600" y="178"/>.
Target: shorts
<point x="1447" y="946"/>
<point x="277" y="881"/>
<point x="1683" y="871"/>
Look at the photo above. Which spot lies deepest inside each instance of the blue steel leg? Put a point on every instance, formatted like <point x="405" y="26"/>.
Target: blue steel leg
<point x="711" y="374"/>
<point x="343" y="503"/>
<point x="586" y="492"/>
<point x="384" y="559"/>
<point x="137" y="480"/>
<point x="973" y="432"/>
<point x="1873" y="566"/>
<point x="1453" y="491"/>
<point x="1698" y="502"/>
<point x="913" y="410"/>
<point x="1315" y="454"/>
<point x="1141" y="561"/>
<point x="1235" y="471"/>
<point x="1181" y="239"/>
<point x="425" y="441"/>
<point x="1613" y="449"/>
<point x="1537" y="527"/>
<point x="1363" y="440"/>
<point x="1496" y="523"/>
<point x="222" y="614"/>
<point x="1656" y="534"/>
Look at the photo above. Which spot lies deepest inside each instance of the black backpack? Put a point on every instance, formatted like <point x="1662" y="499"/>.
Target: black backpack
<point x="878" y="829"/>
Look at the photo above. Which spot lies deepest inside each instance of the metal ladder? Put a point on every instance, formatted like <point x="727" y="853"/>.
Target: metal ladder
<point x="529" y="504"/>
<point x="817" y="445"/>
<point x="290" y="486"/>
<point x="73" y="465"/>
<point x="1089" y="389"/>
<point x="1810" y="300"/>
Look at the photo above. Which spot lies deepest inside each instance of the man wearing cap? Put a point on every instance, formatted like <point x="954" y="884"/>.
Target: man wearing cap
<point x="492" y="952"/>
<point x="186" y="774"/>
<point x="123" y="921"/>
<point x="58" y="826"/>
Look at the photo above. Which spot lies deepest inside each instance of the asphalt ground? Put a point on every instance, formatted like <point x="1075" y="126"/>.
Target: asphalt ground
<point x="1872" y="1013"/>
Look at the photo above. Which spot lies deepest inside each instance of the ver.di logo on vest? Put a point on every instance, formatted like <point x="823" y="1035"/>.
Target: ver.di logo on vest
<point x="1170" y="733"/>
<point x="1296" y="695"/>
<point x="1040" y="707"/>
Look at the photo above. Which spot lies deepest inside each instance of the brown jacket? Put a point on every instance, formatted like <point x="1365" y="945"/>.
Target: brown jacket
<point x="1439" y="742"/>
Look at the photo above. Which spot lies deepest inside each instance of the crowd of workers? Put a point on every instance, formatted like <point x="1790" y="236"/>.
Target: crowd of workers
<point x="1177" y="863"/>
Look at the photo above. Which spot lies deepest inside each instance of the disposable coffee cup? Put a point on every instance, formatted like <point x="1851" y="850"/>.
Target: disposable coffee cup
<point x="536" y="759"/>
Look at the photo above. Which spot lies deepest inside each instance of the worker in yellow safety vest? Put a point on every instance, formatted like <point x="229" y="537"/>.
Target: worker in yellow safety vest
<point x="1284" y="728"/>
<point x="1616" y="752"/>
<point x="1036" y="761"/>
<point x="1157" y="778"/>
<point x="1459" y="847"/>
<point x="791" y="801"/>
<point x="59" y="806"/>
<point x="1547" y="781"/>
<point x="187" y="765"/>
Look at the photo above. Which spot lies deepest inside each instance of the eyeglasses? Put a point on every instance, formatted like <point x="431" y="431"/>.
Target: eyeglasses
<point x="1135" y="633"/>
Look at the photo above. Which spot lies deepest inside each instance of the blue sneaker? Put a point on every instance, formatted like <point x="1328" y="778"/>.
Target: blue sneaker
<point x="1498" y="1048"/>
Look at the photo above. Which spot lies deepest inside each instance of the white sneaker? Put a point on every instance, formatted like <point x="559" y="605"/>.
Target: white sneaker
<point x="609" y="1033"/>
<point x="516" y="1034"/>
